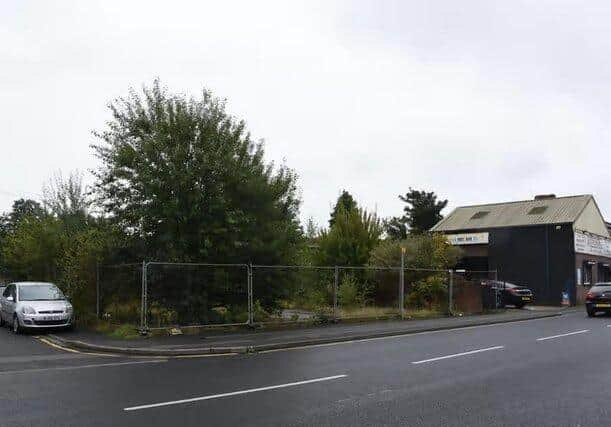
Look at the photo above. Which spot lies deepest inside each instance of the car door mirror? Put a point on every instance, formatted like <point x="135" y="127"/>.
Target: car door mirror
<point x="10" y="298"/>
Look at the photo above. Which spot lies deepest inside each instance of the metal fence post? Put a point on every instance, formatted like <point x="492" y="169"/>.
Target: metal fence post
<point x="335" y="289"/>
<point x="402" y="285"/>
<point x="97" y="289"/>
<point x="143" y="302"/>
<point x="496" y="290"/>
<point x="450" y="292"/>
<point x="251" y="316"/>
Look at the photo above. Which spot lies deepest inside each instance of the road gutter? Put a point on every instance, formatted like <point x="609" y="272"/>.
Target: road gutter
<point x="77" y="345"/>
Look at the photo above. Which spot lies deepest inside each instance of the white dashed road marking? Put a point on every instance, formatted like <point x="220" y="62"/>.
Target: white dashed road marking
<point x="563" y="335"/>
<point x="466" y="353"/>
<point x="234" y="393"/>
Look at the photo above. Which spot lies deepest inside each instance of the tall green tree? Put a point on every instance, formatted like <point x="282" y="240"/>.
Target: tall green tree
<point x="349" y="242"/>
<point x="311" y="230"/>
<point x="422" y="211"/>
<point x="185" y="177"/>
<point x="345" y="202"/>
<point x="49" y="249"/>
<point x="66" y="199"/>
<point x="31" y="250"/>
<point x="21" y="209"/>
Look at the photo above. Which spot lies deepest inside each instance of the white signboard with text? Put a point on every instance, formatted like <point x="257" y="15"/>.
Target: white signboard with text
<point x="468" y="239"/>
<point x="591" y="244"/>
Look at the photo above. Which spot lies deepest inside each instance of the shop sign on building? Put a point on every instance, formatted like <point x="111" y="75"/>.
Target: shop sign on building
<point x="591" y="244"/>
<point x="468" y="239"/>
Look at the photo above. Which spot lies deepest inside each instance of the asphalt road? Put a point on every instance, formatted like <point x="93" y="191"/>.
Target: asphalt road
<point x="547" y="372"/>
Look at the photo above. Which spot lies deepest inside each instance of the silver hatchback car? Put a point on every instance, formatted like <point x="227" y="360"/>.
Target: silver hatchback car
<point x="36" y="305"/>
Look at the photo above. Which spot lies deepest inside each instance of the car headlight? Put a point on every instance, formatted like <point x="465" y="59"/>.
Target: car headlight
<point x="28" y="310"/>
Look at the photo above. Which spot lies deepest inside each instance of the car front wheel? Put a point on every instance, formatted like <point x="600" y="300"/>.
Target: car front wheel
<point x="16" y="327"/>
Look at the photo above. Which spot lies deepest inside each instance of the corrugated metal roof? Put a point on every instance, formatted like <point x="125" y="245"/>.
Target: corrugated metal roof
<point x="558" y="210"/>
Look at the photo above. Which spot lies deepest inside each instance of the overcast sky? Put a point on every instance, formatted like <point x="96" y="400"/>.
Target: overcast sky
<point x="479" y="101"/>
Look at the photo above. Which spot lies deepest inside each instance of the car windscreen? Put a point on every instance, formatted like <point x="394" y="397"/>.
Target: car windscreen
<point x="506" y="285"/>
<point x="600" y="288"/>
<point x="42" y="292"/>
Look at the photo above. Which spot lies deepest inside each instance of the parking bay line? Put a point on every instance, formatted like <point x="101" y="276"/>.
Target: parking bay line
<point x="67" y="368"/>
<point x="466" y="353"/>
<point x="234" y="393"/>
<point x="583" y="331"/>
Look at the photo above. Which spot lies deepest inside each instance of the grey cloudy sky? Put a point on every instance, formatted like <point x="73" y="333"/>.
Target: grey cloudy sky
<point x="480" y="101"/>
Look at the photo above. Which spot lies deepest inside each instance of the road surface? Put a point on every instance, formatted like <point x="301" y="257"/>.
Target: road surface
<point x="547" y="372"/>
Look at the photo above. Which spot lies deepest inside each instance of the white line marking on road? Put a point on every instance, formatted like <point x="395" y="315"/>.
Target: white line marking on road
<point x="233" y="393"/>
<point x="608" y="326"/>
<point x="563" y="335"/>
<point x="66" y="368"/>
<point x="451" y="356"/>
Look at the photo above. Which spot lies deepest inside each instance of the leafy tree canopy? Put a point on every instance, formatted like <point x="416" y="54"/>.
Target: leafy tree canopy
<point x="184" y="177"/>
<point x="66" y="199"/>
<point x="345" y="202"/>
<point x="430" y="251"/>
<point x="422" y="211"/>
<point x="22" y="209"/>
<point x="311" y="230"/>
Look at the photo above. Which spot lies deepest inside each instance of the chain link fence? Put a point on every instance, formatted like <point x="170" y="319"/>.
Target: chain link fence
<point x="158" y="295"/>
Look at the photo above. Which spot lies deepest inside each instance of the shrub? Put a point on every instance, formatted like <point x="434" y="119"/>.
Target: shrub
<point x="161" y="316"/>
<point x="259" y="313"/>
<point x="125" y="332"/>
<point x="423" y="251"/>
<point x="351" y="293"/>
<point x="125" y="312"/>
<point x="428" y="293"/>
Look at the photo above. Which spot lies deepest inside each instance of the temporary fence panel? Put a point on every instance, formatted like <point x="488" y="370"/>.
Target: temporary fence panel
<point x="474" y="292"/>
<point x="162" y="294"/>
<point x="119" y="293"/>
<point x="368" y="293"/>
<point x="292" y="293"/>
<point x="426" y="290"/>
<point x="196" y="294"/>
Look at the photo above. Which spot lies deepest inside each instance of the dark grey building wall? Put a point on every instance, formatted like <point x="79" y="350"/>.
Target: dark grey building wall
<point x="540" y="257"/>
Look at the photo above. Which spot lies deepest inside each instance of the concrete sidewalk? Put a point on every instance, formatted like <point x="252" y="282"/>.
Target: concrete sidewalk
<point x="247" y="341"/>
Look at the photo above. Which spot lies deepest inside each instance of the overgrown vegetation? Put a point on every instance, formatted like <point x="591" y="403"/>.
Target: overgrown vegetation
<point x="180" y="179"/>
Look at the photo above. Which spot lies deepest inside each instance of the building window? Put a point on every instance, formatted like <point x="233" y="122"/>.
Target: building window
<point x="587" y="272"/>
<point x="537" y="210"/>
<point x="480" y="214"/>
<point x="603" y="273"/>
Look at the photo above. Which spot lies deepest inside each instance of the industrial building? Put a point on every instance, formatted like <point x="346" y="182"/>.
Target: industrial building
<point x="557" y="246"/>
